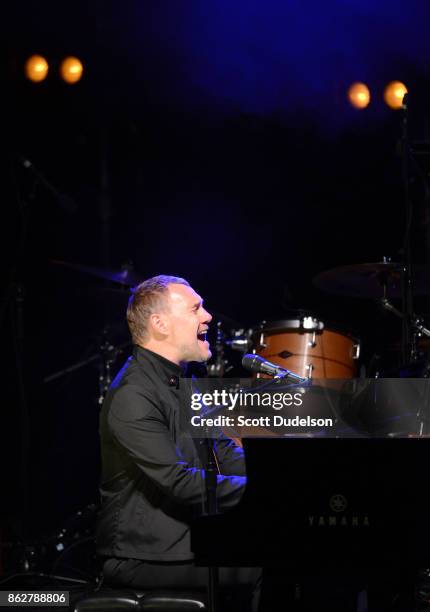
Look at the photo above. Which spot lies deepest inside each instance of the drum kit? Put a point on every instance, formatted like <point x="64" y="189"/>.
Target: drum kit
<point x="302" y="343"/>
<point x="327" y="351"/>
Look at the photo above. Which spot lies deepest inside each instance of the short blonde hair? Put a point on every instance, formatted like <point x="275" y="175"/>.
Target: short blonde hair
<point x="146" y="299"/>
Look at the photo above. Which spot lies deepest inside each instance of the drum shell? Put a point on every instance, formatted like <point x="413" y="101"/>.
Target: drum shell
<point x="319" y="353"/>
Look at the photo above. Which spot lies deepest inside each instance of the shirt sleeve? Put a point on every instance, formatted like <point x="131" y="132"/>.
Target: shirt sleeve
<point x="231" y="456"/>
<point x="140" y="429"/>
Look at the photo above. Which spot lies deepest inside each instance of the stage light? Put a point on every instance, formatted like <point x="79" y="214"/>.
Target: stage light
<point x="71" y="70"/>
<point x="394" y="93"/>
<point x="36" y="68"/>
<point x="359" y="95"/>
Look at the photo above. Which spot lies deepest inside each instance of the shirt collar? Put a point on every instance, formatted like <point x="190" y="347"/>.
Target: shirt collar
<point x="167" y="367"/>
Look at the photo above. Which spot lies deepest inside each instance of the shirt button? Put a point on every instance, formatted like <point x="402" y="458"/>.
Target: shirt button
<point x="174" y="381"/>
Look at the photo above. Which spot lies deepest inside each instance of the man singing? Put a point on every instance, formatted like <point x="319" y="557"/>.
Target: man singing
<point x="152" y="469"/>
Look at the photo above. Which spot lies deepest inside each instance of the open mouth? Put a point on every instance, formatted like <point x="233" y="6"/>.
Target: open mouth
<point x="202" y="336"/>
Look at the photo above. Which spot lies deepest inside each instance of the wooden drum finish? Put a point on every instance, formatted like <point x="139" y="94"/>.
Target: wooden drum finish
<point x="306" y="348"/>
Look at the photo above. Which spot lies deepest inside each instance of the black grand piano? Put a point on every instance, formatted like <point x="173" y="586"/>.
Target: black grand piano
<point x="323" y="505"/>
<point x="347" y="505"/>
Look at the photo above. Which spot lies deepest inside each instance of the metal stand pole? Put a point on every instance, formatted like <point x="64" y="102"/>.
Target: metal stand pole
<point x="408" y="336"/>
<point x="211" y="472"/>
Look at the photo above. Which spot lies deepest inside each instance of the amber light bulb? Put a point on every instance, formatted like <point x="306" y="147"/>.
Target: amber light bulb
<point x="36" y="68"/>
<point x="394" y="94"/>
<point x="71" y="70"/>
<point x="359" y="95"/>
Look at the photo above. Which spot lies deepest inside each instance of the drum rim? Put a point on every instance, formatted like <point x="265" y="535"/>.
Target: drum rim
<point x="282" y="325"/>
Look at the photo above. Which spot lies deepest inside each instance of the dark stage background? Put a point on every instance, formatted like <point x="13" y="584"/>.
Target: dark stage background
<point x="207" y="140"/>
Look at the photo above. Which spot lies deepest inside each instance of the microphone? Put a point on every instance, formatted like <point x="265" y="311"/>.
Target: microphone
<point x="255" y="363"/>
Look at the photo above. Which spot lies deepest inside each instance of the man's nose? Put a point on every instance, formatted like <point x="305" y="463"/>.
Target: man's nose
<point x="207" y="317"/>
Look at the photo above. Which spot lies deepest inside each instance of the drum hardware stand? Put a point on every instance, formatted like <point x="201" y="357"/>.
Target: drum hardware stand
<point x="17" y="311"/>
<point x="408" y="337"/>
<point x="14" y="302"/>
<point x="14" y="306"/>
<point x="412" y="326"/>
<point x="415" y="322"/>
<point x="221" y="365"/>
<point x="62" y="541"/>
<point x="240" y="341"/>
<point x="106" y="356"/>
<point x="408" y="323"/>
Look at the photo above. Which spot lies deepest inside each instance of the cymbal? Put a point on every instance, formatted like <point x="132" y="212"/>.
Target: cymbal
<point x="126" y="276"/>
<point x="368" y="280"/>
<point x="223" y="318"/>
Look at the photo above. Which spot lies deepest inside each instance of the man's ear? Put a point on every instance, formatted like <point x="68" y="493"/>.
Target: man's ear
<point x="159" y="324"/>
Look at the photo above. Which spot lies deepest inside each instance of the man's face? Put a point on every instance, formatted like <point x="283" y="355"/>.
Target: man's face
<point x="188" y="323"/>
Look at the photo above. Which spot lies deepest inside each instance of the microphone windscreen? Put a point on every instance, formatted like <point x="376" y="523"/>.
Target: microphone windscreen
<point x="252" y="362"/>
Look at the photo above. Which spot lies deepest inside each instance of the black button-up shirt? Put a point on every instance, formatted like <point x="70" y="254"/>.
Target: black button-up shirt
<point x="152" y="477"/>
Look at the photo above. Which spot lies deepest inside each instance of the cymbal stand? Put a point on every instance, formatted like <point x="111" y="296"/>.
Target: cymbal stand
<point x="415" y="322"/>
<point x="409" y="352"/>
<point x="218" y="368"/>
<point x="106" y="356"/>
